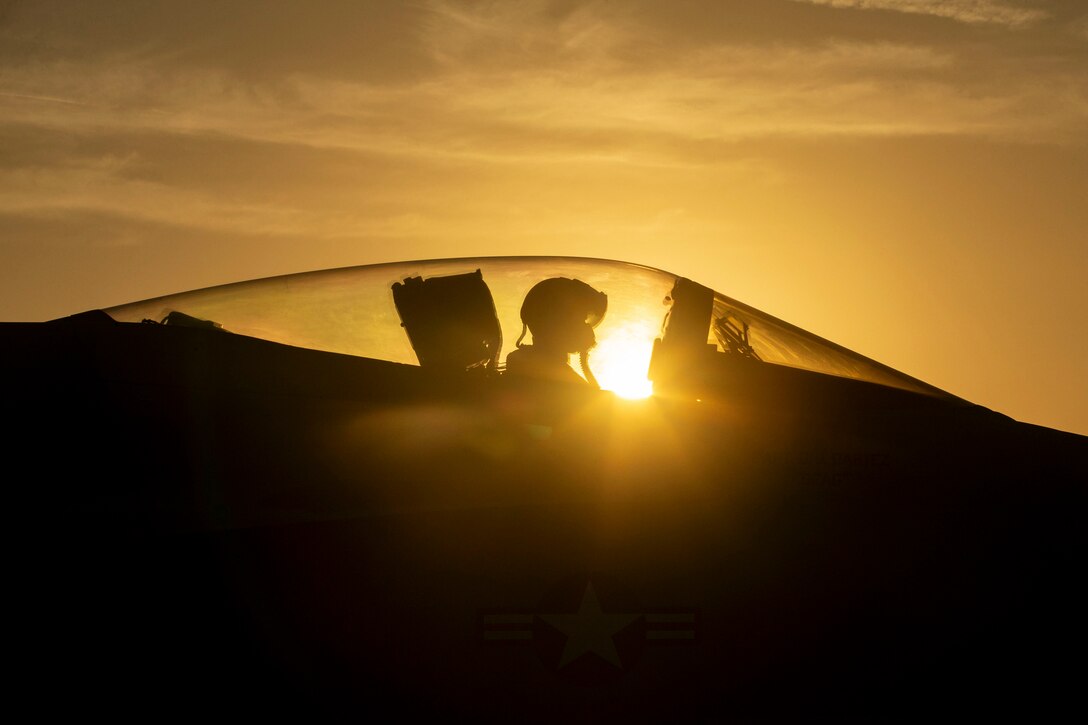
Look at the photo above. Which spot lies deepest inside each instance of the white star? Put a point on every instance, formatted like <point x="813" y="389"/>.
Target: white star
<point x="590" y="630"/>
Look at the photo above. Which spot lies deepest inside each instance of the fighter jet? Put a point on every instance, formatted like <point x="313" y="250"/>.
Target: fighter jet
<point x="532" y="489"/>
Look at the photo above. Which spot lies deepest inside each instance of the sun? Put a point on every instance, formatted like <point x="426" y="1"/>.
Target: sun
<point x="621" y="362"/>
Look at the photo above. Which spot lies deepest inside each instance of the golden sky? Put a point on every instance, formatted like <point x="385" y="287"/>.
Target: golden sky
<point x="908" y="178"/>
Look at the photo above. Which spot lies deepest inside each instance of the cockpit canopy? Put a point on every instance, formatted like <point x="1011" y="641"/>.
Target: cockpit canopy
<point x="376" y="311"/>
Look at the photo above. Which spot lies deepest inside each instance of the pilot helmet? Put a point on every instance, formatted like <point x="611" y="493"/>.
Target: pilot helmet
<point x="562" y="312"/>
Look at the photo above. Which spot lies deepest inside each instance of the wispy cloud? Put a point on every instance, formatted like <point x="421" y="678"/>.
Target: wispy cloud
<point x="514" y="86"/>
<point x="964" y="11"/>
<point x="1080" y="27"/>
<point x="580" y="111"/>
<point x="515" y="91"/>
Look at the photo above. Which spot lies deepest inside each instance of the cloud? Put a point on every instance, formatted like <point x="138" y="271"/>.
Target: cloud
<point x="508" y="82"/>
<point x="563" y="111"/>
<point x="255" y="40"/>
<point x="522" y="89"/>
<point x="102" y="187"/>
<point x="1079" y="27"/>
<point x="964" y="11"/>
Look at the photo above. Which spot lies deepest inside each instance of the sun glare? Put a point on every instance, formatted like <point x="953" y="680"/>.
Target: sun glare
<point x="621" y="361"/>
<point x="634" y="389"/>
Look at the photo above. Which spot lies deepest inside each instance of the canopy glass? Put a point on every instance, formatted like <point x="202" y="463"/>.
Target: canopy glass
<point x="352" y="311"/>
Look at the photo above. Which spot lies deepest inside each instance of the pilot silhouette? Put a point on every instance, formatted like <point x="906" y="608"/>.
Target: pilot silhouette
<point x="561" y="314"/>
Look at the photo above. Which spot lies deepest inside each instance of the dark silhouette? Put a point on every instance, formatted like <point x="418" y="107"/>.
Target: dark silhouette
<point x="561" y="314"/>
<point x="450" y="321"/>
<point x="207" y="521"/>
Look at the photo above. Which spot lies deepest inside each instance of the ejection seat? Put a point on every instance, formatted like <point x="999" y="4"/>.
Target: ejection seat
<point x="451" y="322"/>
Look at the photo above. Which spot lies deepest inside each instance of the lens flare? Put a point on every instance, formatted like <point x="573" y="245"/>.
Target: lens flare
<point x="621" y="361"/>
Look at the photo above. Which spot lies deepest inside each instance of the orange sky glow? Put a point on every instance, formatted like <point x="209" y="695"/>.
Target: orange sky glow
<point x="907" y="178"/>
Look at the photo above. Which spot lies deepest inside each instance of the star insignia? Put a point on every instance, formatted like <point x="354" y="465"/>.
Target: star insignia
<point x="590" y="630"/>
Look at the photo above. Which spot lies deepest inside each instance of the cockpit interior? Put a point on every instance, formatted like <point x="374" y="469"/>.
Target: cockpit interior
<point x="606" y="322"/>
